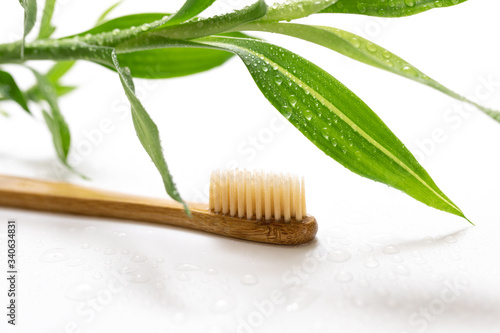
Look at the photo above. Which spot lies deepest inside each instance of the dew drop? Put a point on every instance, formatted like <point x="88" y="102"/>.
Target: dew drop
<point x="188" y="267"/>
<point x="286" y="111"/>
<point x="361" y="7"/>
<point x="391" y="249"/>
<point x="110" y="252"/>
<point x="139" y="278"/>
<point x="343" y="277"/>
<point x="402" y="270"/>
<point x="370" y="262"/>
<point x="138" y="258"/>
<point x="371" y="47"/>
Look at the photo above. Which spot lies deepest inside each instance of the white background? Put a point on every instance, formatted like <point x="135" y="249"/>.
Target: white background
<point x="381" y="262"/>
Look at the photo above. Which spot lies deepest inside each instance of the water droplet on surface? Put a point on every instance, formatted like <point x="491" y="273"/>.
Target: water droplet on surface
<point x="361" y="7"/>
<point x="397" y="258"/>
<point x="125" y="252"/>
<point x="391" y="249"/>
<point x="139" y="278"/>
<point x="286" y="111"/>
<point x="110" y="252"/>
<point x="249" y="279"/>
<point x="410" y="3"/>
<point x="371" y="47"/>
<point x="355" y="42"/>
<point x="370" y="262"/>
<point x="402" y="270"/>
<point x="55" y="255"/>
<point x="343" y="277"/>
<point x="188" y="267"/>
<point x="138" y="258"/>
<point x="183" y="277"/>
<point x="212" y="271"/>
<point x="339" y="255"/>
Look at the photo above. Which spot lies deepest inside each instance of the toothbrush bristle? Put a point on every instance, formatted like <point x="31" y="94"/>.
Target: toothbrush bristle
<point x="257" y="195"/>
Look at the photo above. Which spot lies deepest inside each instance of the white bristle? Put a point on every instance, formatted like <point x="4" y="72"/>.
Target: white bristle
<point x="257" y="195"/>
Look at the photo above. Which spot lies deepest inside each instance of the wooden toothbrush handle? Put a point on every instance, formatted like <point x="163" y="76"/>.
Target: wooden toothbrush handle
<point x="68" y="198"/>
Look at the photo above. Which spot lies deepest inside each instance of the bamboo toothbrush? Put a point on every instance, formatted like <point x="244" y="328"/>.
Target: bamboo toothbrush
<point x="258" y="206"/>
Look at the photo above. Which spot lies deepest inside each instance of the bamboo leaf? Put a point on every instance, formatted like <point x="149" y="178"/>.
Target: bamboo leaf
<point x="190" y="9"/>
<point x="58" y="70"/>
<point x="105" y="14"/>
<point x="363" y="50"/>
<point x="334" y="119"/>
<point x="58" y="127"/>
<point x="147" y="132"/>
<point x="29" y="19"/>
<point x="10" y="90"/>
<point x="46" y="28"/>
<point x="172" y="62"/>
<point x="388" y="8"/>
<point x="295" y="9"/>
<point x="205" y="27"/>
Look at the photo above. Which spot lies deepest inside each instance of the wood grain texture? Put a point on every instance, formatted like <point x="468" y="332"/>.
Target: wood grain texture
<point x="74" y="199"/>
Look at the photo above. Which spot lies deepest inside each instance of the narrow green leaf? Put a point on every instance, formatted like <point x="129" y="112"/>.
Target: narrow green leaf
<point x="46" y="28"/>
<point x="363" y="50"/>
<point x="124" y="22"/>
<point x="204" y="27"/>
<point x="63" y="90"/>
<point x="147" y="132"/>
<point x="10" y="90"/>
<point x="388" y="8"/>
<point x="190" y="9"/>
<point x="29" y="19"/>
<point x="334" y="119"/>
<point x="105" y="14"/>
<point x="172" y="62"/>
<point x="295" y="9"/>
<point x="58" y="70"/>
<point x="58" y="127"/>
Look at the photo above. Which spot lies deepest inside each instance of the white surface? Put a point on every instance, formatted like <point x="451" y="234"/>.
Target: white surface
<point x="382" y="262"/>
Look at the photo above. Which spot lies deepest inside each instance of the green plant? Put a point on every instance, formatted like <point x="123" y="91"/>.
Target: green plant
<point x="318" y="105"/>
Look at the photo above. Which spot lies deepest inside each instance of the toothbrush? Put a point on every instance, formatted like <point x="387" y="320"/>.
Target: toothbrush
<point x="258" y="206"/>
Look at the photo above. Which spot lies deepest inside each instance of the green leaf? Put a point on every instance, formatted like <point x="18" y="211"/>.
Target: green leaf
<point x="334" y="119"/>
<point x="58" y="70"/>
<point x="10" y="90"/>
<point x="58" y="127"/>
<point x="292" y="10"/>
<point x="172" y="62"/>
<point x="63" y="90"/>
<point x="124" y="22"/>
<point x="388" y="8"/>
<point x="147" y="131"/>
<point x="190" y="9"/>
<point x="105" y="14"/>
<point x="29" y="19"/>
<point x="363" y="50"/>
<point x="46" y="28"/>
<point x="205" y="27"/>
